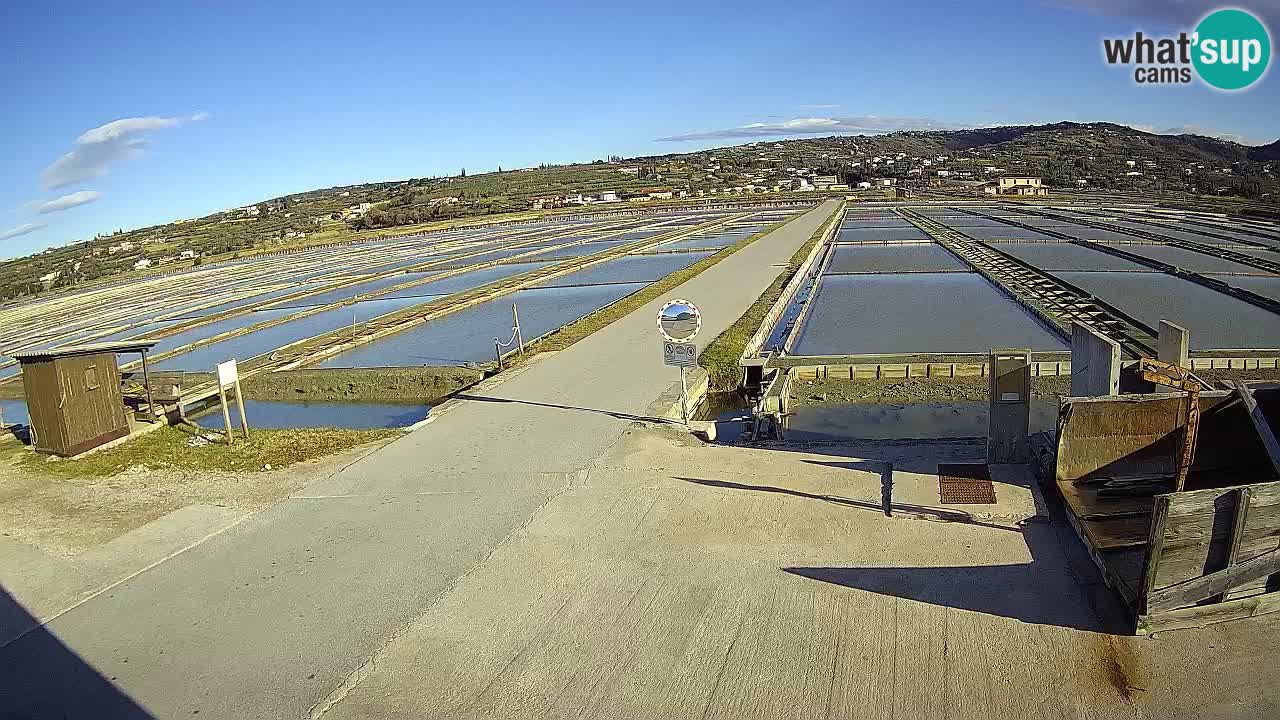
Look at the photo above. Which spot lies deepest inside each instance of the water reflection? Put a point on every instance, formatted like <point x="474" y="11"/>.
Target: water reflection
<point x="274" y="414"/>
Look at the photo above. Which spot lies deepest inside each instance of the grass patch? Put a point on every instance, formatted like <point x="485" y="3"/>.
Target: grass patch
<point x="721" y="355"/>
<point x="581" y="328"/>
<point x="169" y="448"/>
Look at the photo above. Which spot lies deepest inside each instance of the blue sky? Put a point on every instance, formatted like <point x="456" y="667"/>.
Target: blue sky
<point x="168" y="110"/>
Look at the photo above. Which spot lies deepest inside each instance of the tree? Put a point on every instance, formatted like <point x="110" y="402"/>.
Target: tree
<point x="464" y="172"/>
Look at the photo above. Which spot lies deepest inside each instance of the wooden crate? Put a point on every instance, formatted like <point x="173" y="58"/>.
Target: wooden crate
<point x="1177" y="559"/>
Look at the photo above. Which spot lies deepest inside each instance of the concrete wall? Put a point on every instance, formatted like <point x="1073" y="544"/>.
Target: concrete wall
<point x="1095" y="363"/>
<point x="1173" y="345"/>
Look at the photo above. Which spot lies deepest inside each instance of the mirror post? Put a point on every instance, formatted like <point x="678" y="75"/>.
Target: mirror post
<point x="684" y="398"/>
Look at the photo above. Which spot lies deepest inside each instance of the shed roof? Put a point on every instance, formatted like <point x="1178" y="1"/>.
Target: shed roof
<point x="92" y="349"/>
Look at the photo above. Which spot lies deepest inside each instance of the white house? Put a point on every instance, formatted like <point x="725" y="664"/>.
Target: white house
<point x="142" y="264"/>
<point x="1016" y="185"/>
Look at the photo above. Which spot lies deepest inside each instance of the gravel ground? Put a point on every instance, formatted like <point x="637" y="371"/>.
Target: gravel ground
<point x="66" y="516"/>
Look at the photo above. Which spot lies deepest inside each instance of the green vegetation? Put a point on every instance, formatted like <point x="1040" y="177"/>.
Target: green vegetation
<point x="720" y="356"/>
<point x="171" y="448"/>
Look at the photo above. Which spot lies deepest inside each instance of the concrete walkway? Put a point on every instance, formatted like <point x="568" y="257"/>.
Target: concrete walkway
<point x="687" y="581"/>
<point x="279" y="615"/>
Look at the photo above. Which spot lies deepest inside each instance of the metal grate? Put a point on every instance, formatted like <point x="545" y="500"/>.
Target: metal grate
<point x="965" y="484"/>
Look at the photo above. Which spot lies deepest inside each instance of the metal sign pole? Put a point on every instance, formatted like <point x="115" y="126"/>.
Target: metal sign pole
<point x="684" y="398"/>
<point x="146" y="380"/>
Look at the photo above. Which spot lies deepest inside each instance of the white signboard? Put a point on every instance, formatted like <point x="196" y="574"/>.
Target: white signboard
<point x="227" y="373"/>
<point x="680" y="354"/>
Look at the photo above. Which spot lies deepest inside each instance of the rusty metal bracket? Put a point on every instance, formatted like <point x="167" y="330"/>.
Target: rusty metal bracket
<point x="1179" y="378"/>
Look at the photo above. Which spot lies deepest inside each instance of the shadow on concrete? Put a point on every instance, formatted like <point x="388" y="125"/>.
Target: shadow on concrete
<point x="1059" y="586"/>
<point x="553" y="406"/>
<point x="40" y="677"/>
<point x="902" y="509"/>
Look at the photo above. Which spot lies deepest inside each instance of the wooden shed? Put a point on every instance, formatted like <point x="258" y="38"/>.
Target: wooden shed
<point x="73" y="395"/>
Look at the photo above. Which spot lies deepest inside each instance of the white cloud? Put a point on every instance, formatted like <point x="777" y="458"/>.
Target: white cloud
<point x="66" y="202"/>
<point x="20" y="230"/>
<point x="1196" y="130"/>
<point x="97" y="148"/>
<point x="820" y="107"/>
<point x="854" y="125"/>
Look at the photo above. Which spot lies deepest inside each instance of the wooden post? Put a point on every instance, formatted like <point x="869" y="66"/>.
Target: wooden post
<point x="1239" y="514"/>
<point x="226" y="416"/>
<point x="515" y="318"/>
<point x="1190" y="434"/>
<point x="146" y="381"/>
<point x="244" y="422"/>
<point x="1155" y="546"/>
<point x="1260" y="424"/>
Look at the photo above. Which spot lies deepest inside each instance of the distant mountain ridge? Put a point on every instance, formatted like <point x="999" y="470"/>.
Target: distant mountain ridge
<point x="1096" y="156"/>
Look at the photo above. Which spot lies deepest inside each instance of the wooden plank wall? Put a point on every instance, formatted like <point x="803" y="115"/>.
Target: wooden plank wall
<point x="1213" y="557"/>
<point x="1140" y="435"/>
<point x="1199" y="528"/>
<point x="69" y="414"/>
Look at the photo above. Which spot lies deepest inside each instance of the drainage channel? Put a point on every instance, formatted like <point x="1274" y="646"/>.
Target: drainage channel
<point x="316" y="349"/>
<point x="1054" y="301"/>
<point x="1239" y="293"/>
<point x="1220" y="252"/>
<point x="1146" y="218"/>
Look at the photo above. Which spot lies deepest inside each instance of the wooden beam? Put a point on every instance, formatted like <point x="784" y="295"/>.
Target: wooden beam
<point x="1155" y="545"/>
<point x="1239" y="515"/>
<point x="1202" y="615"/>
<point x="1190" y="433"/>
<point x="1197" y="589"/>
<point x="1260" y="423"/>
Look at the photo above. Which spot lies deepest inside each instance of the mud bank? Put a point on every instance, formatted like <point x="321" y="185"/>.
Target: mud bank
<point x="815" y="392"/>
<point x="425" y="384"/>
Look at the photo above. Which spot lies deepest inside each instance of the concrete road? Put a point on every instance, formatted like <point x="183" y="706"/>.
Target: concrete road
<point x="276" y="616"/>
<point x="692" y="581"/>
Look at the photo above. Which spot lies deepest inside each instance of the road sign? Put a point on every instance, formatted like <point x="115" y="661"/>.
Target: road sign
<point x="228" y="374"/>
<point x="679" y="321"/>
<point x="680" y="354"/>
<point x="228" y="378"/>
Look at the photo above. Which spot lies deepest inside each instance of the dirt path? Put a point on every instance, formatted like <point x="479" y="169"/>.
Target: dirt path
<point x="64" y="516"/>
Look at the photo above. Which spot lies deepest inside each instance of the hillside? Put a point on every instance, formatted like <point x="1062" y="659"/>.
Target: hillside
<point x="1100" y="156"/>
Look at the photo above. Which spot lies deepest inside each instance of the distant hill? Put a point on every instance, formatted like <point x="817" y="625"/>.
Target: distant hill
<point x="1265" y="153"/>
<point x="1101" y="156"/>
